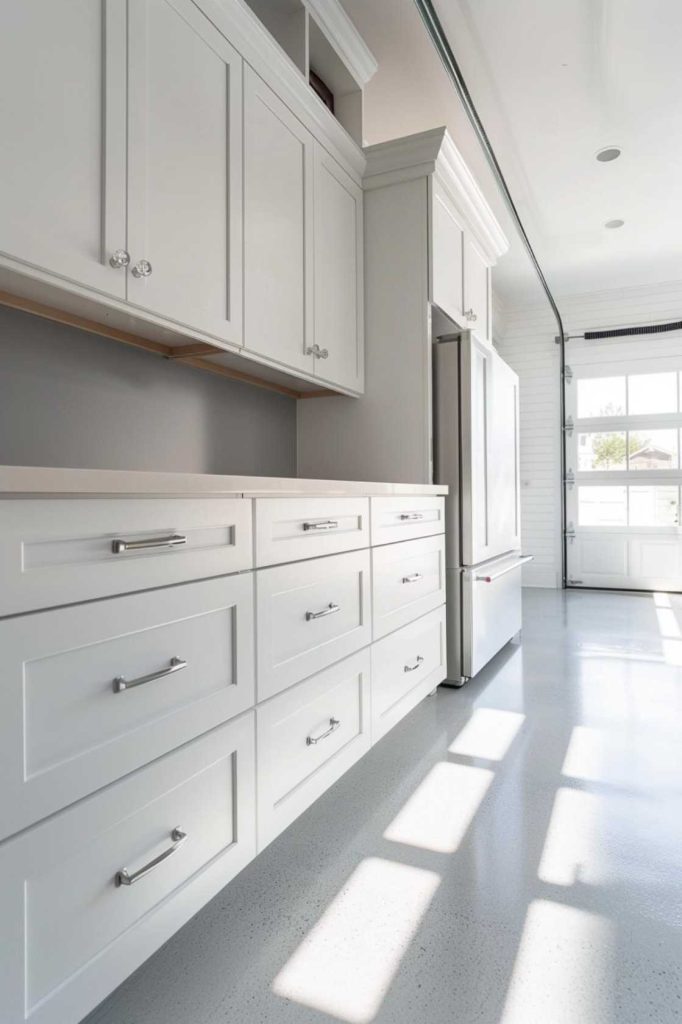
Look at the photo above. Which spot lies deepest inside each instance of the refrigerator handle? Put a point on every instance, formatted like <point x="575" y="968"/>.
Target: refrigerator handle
<point x="503" y="572"/>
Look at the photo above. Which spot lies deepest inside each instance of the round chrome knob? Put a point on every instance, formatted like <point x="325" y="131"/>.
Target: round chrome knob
<point x="119" y="259"/>
<point x="142" y="268"/>
<point x="470" y="315"/>
<point x="315" y="350"/>
<point x="322" y="353"/>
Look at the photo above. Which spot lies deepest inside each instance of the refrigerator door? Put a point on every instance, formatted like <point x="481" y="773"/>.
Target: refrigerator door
<point x="490" y="505"/>
<point x="491" y="609"/>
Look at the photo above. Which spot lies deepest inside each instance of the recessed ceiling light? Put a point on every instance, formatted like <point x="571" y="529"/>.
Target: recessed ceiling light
<point x="608" y="154"/>
<point x="617" y="223"/>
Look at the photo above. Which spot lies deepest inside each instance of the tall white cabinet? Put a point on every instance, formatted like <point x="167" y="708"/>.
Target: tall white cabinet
<point x="431" y="241"/>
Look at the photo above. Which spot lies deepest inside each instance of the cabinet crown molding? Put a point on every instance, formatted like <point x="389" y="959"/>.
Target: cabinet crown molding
<point x="343" y="36"/>
<point x="434" y="153"/>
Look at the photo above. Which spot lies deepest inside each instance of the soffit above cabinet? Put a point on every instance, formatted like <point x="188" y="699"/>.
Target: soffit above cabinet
<point x="434" y="153"/>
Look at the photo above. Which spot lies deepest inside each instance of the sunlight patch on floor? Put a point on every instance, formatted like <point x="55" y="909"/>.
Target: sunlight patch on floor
<point x="489" y="733"/>
<point x="438" y="814"/>
<point x="572" y="846"/>
<point x="346" y="963"/>
<point x="563" y="972"/>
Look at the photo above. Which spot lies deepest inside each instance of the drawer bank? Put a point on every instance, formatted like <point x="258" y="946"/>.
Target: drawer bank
<point x="188" y="663"/>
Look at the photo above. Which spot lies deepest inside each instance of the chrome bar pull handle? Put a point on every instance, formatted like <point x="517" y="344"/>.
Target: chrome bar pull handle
<point x="413" y="577"/>
<point x="522" y="559"/>
<point x="124" y="877"/>
<point x="413" y="668"/>
<point x="327" y="524"/>
<point x="331" y="609"/>
<point x="411" y="515"/>
<point x="121" y="684"/>
<point x="334" y="724"/>
<point x="173" y="540"/>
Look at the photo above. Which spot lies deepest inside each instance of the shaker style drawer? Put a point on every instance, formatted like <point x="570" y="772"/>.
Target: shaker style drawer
<point x="405" y="667"/>
<point x="57" y="552"/>
<point x="288" y="529"/>
<point x="307" y="738"/>
<point x="401" y="518"/>
<point x="309" y="615"/>
<point x="91" y="692"/>
<point x="88" y="895"/>
<point x="408" y="580"/>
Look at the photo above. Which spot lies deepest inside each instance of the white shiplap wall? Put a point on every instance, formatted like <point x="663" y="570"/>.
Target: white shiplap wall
<point x="526" y="342"/>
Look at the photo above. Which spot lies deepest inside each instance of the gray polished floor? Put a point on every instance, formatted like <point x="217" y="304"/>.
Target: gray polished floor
<point x="510" y="854"/>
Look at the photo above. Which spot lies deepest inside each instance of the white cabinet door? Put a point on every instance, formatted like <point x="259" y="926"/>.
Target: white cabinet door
<point x="278" y="229"/>
<point x="339" y="306"/>
<point x="446" y="257"/>
<point x="62" y="125"/>
<point x="476" y="290"/>
<point x="184" y="172"/>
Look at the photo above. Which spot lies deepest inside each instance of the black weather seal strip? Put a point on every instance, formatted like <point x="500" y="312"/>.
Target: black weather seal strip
<point x="627" y="332"/>
<point x="444" y="50"/>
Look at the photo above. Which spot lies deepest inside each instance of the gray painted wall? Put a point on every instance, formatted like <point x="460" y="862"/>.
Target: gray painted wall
<point x="68" y="398"/>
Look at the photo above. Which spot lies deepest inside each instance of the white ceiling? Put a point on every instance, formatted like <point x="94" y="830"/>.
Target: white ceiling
<point x="554" y="81"/>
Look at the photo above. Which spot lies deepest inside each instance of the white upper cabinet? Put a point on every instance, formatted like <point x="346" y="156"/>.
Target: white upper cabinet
<point x="278" y="229"/>
<point x="184" y="161"/>
<point x="62" y="125"/>
<point x="476" y="290"/>
<point x="339" y="286"/>
<point x="446" y="262"/>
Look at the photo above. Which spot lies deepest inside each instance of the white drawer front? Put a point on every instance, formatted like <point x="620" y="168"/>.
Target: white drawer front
<point x="309" y="615"/>
<point x="69" y="720"/>
<point x="408" y="580"/>
<point x="307" y="738"/>
<point x="65" y="926"/>
<point x="405" y="666"/>
<point x="396" y="519"/>
<point x="288" y="529"/>
<point x="57" y="552"/>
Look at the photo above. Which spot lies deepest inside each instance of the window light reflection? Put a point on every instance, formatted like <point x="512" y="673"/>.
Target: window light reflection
<point x="437" y="815"/>
<point x="564" y="957"/>
<point x="572" y="850"/>
<point x="489" y="733"/>
<point x="345" y="965"/>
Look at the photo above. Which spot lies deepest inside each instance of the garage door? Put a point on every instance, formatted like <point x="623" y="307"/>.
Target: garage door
<point x="624" y="417"/>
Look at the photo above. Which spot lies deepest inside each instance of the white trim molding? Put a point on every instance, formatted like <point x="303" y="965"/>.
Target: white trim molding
<point x="343" y="36"/>
<point x="434" y="153"/>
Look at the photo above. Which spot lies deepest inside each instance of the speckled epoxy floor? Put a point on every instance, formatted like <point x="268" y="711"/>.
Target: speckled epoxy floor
<point x="510" y="854"/>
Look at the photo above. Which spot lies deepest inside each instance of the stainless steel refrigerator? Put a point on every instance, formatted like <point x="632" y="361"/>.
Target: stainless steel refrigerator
<point x="476" y="452"/>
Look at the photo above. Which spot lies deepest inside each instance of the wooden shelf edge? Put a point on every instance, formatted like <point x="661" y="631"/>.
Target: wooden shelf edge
<point x="187" y="355"/>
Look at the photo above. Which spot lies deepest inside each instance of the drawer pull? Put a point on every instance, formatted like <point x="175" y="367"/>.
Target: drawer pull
<point x="328" y="524"/>
<point x="413" y="668"/>
<point x="124" y="877"/>
<point x="334" y="724"/>
<point x="175" y="665"/>
<point x="331" y="609"/>
<point x="413" y="578"/>
<point x="174" y="540"/>
<point x="411" y="515"/>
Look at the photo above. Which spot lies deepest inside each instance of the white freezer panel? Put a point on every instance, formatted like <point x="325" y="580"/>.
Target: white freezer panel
<point x="491" y="610"/>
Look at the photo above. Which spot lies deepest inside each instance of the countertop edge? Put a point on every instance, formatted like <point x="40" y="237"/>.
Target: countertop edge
<point x="42" y="482"/>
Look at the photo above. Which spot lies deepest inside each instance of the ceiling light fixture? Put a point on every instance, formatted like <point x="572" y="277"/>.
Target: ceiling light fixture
<point x="608" y="153"/>
<point x="617" y="223"/>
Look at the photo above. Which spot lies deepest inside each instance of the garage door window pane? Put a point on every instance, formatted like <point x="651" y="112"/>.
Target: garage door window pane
<point x="602" y="396"/>
<point x="601" y="451"/>
<point x="602" y="506"/>
<point x="651" y="505"/>
<point x="653" y="450"/>
<point x="652" y="392"/>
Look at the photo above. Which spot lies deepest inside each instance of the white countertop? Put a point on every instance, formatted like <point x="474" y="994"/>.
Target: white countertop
<point x="36" y="481"/>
